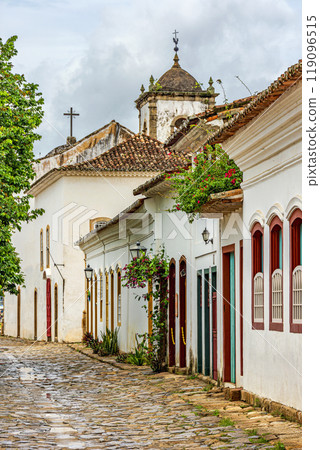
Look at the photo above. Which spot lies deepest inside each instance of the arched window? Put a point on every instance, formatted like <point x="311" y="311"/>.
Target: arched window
<point x="257" y="277"/>
<point x="41" y="249"/>
<point x="295" y="223"/>
<point x="119" y="297"/>
<point x="48" y="246"/>
<point x="276" y="294"/>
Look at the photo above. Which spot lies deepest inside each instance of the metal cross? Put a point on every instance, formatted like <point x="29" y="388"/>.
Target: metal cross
<point x="71" y="114"/>
<point x="175" y="40"/>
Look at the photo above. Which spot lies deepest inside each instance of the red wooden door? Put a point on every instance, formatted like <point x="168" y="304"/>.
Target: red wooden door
<point x="183" y="315"/>
<point x="48" y="309"/>
<point x="172" y="319"/>
<point x="226" y="318"/>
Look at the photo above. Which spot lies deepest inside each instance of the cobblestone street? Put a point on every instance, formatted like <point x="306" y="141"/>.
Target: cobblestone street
<point x="53" y="396"/>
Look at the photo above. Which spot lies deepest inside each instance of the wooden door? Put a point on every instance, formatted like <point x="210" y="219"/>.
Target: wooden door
<point x="48" y="298"/>
<point x="35" y="314"/>
<point x="87" y="300"/>
<point x="95" y="307"/>
<point x="112" y="301"/>
<point x="214" y="324"/>
<point x="91" y="306"/>
<point x="199" y="321"/>
<point x="241" y="308"/>
<point x="56" y="315"/>
<point x="107" y="301"/>
<point x="172" y="318"/>
<point x="206" y="306"/>
<point x="18" y="312"/>
<point x="183" y="312"/>
<point x="229" y="351"/>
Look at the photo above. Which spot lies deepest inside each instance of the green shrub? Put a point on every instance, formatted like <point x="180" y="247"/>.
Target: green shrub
<point x="139" y="357"/>
<point x="109" y="344"/>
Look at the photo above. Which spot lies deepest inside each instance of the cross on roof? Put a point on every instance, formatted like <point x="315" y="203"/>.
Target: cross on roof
<point x="175" y="40"/>
<point x="72" y="115"/>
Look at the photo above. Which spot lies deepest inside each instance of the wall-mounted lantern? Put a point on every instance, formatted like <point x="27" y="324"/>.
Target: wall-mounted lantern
<point x="88" y="272"/>
<point x="206" y="236"/>
<point x="137" y="250"/>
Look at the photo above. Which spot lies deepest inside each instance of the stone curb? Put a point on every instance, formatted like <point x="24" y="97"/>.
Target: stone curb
<point x="105" y="359"/>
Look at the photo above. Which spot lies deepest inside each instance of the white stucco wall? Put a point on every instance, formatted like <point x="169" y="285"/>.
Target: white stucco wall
<point x="167" y="110"/>
<point x="69" y="203"/>
<point x="268" y="150"/>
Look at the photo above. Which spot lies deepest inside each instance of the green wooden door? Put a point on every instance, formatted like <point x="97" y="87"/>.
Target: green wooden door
<point x="232" y="320"/>
<point x="199" y="314"/>
<point x="206" y="306"/>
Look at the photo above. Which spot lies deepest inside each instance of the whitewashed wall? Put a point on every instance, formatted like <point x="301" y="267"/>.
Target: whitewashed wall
<point x="268" y="151"/>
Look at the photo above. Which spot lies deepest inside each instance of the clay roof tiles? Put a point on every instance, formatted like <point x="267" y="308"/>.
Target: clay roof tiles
<point x="140" y="153"/>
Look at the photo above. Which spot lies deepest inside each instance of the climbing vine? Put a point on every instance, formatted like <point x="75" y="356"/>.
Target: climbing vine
<point x="212" y="171"/>
<point x="153" y="270"/>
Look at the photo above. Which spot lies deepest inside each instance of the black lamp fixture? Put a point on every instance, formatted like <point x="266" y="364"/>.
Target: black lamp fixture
<point x="205" y="236"/>
<point x="137" y="250"/>
<point x="88" y="272"/>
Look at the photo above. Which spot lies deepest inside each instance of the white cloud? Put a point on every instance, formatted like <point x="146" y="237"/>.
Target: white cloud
<point x="95" y="55"/>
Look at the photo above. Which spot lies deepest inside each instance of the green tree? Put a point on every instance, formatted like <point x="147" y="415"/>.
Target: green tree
<point x="20" y="114"/>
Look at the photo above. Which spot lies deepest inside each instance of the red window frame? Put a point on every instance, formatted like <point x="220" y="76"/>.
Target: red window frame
<point x="274" y="256"/>
<point x="295" y="256"/>
<point x="256" y="265"/>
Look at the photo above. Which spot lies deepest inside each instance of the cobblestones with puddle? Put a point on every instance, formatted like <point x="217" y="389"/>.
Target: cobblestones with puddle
<point x="52" y="396"/>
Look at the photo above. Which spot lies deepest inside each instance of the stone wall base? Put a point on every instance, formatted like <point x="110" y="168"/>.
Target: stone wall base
<point x="275" y="408"/>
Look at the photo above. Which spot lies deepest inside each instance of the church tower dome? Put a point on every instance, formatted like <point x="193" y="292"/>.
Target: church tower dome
<point x="178" y="80"/>
<point x="171" y="99"/>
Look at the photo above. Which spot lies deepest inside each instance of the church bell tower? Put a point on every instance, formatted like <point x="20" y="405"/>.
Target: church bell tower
<point x="171" y="99"/>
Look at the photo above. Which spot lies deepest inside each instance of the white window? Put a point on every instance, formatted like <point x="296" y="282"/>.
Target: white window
<point x="297" y="295"/>
<point x="276" y="286"/>
<point x="258" y="297"/>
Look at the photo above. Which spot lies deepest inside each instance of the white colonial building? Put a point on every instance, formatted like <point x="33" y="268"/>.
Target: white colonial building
<point x="234" y="303"/>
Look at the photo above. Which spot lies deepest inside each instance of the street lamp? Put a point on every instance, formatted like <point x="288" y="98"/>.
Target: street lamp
<point x="137" y="250"/>
<point x="88" y="272"/>
<point x="205" y="236"/>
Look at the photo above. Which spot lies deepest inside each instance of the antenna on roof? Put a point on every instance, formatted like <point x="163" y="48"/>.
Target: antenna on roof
<point x="237" y="76"/>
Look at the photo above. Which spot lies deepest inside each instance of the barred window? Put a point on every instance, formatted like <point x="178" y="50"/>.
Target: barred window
<point x="41" y="249"/>
<point x="48" y="246"/>
<point x="257" y="277"/>
<point x="276" y="282"/>
<point x="295" y="222"/>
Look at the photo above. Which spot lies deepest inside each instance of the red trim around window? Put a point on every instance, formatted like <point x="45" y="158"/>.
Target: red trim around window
<point x="256" y="265"/>
<point x="274" y="264"/>
<point x="295" y="259"/>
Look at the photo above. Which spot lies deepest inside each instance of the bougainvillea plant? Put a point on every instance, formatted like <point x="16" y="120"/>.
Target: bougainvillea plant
<point x="212" y="171"/>
<point x="152" y="270"/>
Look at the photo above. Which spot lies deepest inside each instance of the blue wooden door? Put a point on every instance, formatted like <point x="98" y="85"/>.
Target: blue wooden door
<point x="206" y="306"/>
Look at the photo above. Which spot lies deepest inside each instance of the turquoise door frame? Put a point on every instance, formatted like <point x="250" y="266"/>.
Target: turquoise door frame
<point x="206" y="306"/>
<point x="199" y="321"/>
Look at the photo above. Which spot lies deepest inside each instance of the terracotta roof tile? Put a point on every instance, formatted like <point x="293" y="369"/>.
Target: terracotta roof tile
<point x="137" y="154"/>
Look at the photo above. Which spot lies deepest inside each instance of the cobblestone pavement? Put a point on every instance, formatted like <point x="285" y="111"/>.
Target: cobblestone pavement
<point x="52" y="396"/>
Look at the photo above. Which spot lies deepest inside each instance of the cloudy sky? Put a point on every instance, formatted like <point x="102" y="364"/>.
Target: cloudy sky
<point x="94" y="55"/>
